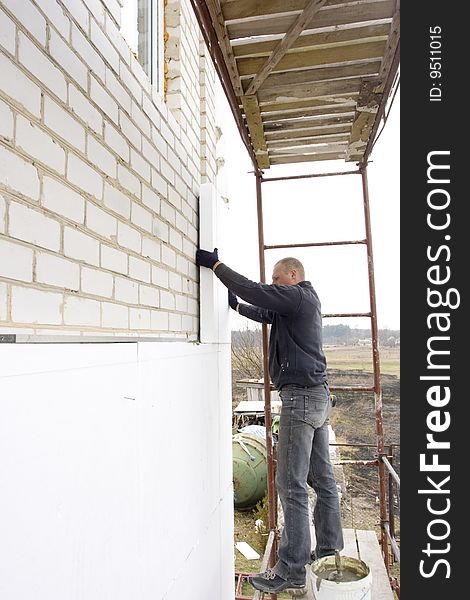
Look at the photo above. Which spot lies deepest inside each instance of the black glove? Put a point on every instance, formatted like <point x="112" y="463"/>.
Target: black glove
<point x="232" y="300"/>
<point x="206" y="259"/>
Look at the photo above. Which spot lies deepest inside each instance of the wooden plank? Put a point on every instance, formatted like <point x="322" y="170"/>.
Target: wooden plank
<point x="366" y="113"/>
<point x="285" y="160"/>
<point x="310" y="90"/>
<point x="350" y="543"/>
<point x="392" y="43"/>
<point x="311" y="9"/>
<point x="255" y="127"/>
<point x="236" y="10"/>
<point x="301" y="124"/>
<point x="371" y="554"/>
<point x="269" y="107"/>
<point x="322" y="39"/>
<point x="365" y="70"/>
<point x="310" y="132"/>
<point x="311" y="149"/>
<point x="355" y="12"/>
<point x="224" y="43"/>
<point x="319" y="111"/>
<point x="314" y="58"/>
<point x="320" y="139"/>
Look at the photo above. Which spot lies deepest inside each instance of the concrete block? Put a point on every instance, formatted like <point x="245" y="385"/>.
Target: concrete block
<point x="18" y="175"/>
<point x="139" y="318"/>
<point x="98" y="283"/>
<point x="181" y="224"/>
<point x="126" y="290"/>
<point x="149" y="296"/>
<point x="81" y="311"/>
<point x="128" y="237"/>
<point x="84" y="176"/>
<point x="128" y="180"/>
<point x="78" y="11"/>
<point x="87" y="52"/>
<point x="151" y="199"/>
<point x="96" y="8"/>
<point x="151" y="249"/>
<point x="62" y="123"/>
<point x="101" y="157"/>
<point x="117" y="201"/>
<point x="112" y="30"/>
<point x="139" y="269"/>
<point x="61" y="199"/>
<point x="84" y="109"/>
<point x="33" y="227"/>
<point x="158" y="320"/>
<point x="38" y="144"/>
<point x="160" y="229"/>
<point x="101" y="41"/>
<point x="141" y="217"/>
<point x="115" y="316"/>
<point x="168" y="212"/>
<point x="29" y="16"/>
<point x="41" y="67"/>
<point x="159" y="184"/>
<point x="35" y="306"/>
<point x="140" y="165"/>
<point x="159" y="142"/>
<point x="116" y="141"/>
<point x="105" y="101"/>
<point x="167" y="300"/>
<point x="167" y="171"/>
<point x="181" y="303"/>
<point x="81" y="246"/>
<point x="67" y="59"/>
<point x="118" y="92"/>
<point x="130" y="131"/>
<point x="140" y="119"/>
<point x="19" y="87"/>
<point x="100" y="221"/>
<point x="169" y="256"/>
<point x="150" y="153"/>
<point x="57" y="271"/>
<point x="176" y="239"/>
<point x="114" y="260"/>
<point x="16" y="261"/>
<point x="175" y="281"/>
<point x="160" y="277"/>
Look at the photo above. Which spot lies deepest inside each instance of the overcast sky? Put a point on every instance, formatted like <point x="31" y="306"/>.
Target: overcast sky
<point x="313" y="210"/>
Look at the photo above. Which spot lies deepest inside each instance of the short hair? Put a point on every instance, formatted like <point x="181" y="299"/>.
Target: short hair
<point x="290" y="263"/>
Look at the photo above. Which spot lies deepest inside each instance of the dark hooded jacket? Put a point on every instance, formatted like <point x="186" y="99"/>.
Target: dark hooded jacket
<point x="294" y="313"/>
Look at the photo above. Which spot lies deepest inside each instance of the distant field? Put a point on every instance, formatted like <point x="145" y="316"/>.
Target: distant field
<point x="359" y="358"/>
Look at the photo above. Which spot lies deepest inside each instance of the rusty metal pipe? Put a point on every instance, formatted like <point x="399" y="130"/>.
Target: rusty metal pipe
<point x="391" y="470"/>
<point x="308" y="245"/>
<point x="267" y="179"/>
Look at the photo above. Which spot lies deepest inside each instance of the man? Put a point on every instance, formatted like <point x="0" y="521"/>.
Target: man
<point x="297" y="368"/>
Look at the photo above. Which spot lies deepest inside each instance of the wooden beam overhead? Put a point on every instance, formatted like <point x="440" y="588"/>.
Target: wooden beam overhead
<point x="309" y="149"/>
<point x="317" y="121"/>
<point x="315" y="58"/>
<point x="392" y="44"/>
<point x="311" y="90"/>
<point x="313" y="141"/>
<point x="286" y="159"/>
<point x="310" y="132"/>
<point x="333" y="38"/>
<point x="255" y="127"/>
<point x="366" y="112"/>
<point x="355" y="12"/>
<point x="306" y="103"/>
<point x="332" y="109"/>
<point x="312" y="7"/>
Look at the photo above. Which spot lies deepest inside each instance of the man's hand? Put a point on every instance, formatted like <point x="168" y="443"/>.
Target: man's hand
<point x="232" y="300"/>
<point x="206" y="259"/>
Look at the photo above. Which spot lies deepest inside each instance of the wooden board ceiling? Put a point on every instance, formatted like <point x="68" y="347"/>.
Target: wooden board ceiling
<point x="309" y="75"/>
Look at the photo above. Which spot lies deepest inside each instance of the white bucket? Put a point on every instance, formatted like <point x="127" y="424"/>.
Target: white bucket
<point x="359" y="589"/>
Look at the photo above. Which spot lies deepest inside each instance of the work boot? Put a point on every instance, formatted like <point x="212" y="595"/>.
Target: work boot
<point x="271" y="583"/>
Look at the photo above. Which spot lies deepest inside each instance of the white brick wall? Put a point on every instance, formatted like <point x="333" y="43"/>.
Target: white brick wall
<point x="98" y="176"/>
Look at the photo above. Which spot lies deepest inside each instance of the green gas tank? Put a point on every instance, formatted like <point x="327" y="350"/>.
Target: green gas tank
<point x="249" y="470"/>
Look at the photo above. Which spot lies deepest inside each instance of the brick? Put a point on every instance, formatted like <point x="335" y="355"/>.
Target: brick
<point x="87" y="52"/>
<point x="128" y="180"/>
<point x="159" y="184"/>
<point x="117" y="90"/>
<point x="150" y="249"/>
<point x="128" y="79"/>
<point x="38" y="144"/>
<point x="139" y="269"/>
<point x="140" y="165"/>
<point x="16" y="261"/>
<point x="114" y="260"/>
<point x="192" y="233"/>
<point x="140" y="74"/>
<point x="100" y="157"/>
<point x="7" y="33"/>
<point x="3" y="302"/>
<point x="116" y="141"/>
<point x="175" y="322"/>
<point x="148" y="296"/>
<point x="168" y="212"/>
<point x="169" y="256"/>
<point x="174" y="198"/>
<point x="80" y="246"/>
<point x="141" y="217"/>
<point x="112" y="29"/>
<point x="139" y="318"/>
<point x="6" y="121"/>
<point x="160" y="229"/>
<point x="68" y="60"/>
<point x="3" y="212"/>
<point x="54" y="270"/>
<point x="150" y="153"/>
<point x="159" y="277"/>
<point x="61" y="199"/>
<point x="128" y="237"/>
<point x="81" y="311"/>
<point x="96" y="8"/>
<point x="167" y="171"/>
<point x="63" y="124"/>
<point x="167" y="134"/>
<point x="19" y="87"/>
<point x="115" y="316"/>
<point x="140" y="119"/>
<point x="182" y="264"/>
<point x="35" y="306"/>
<point x="96" y="282"/>
<point x="181" y="223"/>
<point x="85" y="110"/>
<point x="77" y="11"/>
<point x="32" y="226"/>
<point x="181" y="303"/>
<point x="187" y="323"/>
<point x="159" y="320"/>
<point x="84" y="177"/>
<point x="104" y="46"/>
<point x="100" y="221"/>
<point x="126" y="290"/>
<point x="167" y="299"/>
<point x="55" y="14"/>
<point x="104" y="100"/>
<point x="41" y="67"/>
<point x="150" y="198"/>
<point x="18" y="175"/>
<point x="176" y="239"/>
<point x="193" y="306"/>
<point x="176" y="282"/>
<point x="159" y="142"/>
<point x="130" y="131"/>
<point x="117" y="200"/>
<point x="29" y="16"/>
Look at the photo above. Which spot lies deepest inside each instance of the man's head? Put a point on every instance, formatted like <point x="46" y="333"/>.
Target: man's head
<point x="288" y="271"/>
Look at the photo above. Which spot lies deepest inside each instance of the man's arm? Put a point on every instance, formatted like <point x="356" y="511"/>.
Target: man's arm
<point x="261" y="315"/>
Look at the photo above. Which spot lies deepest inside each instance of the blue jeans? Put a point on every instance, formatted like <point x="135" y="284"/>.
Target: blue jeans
<point x="303" y="458"/>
